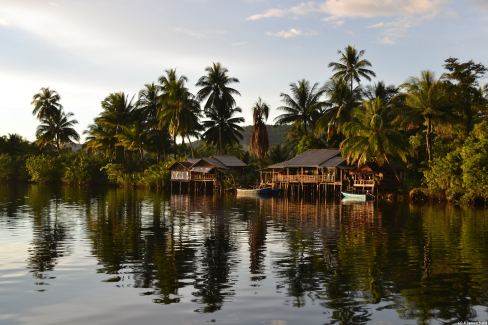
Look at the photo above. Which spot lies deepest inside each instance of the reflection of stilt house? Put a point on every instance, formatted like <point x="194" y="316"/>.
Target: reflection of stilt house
<point x="204" y="174"/>
<point x="322" y="171"/>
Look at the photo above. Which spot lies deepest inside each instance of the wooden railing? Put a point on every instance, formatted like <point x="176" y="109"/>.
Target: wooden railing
<point x="364" y="182"/>
<point x="277" y="178"/>
<point x="180" y="175"/>
<point x="203" y="177"/>
<point x="187" y="176"/>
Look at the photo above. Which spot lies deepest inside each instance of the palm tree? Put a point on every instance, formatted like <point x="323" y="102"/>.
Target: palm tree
<point x="370" y="136"/>
<point x="381" y="90"/>
<point x="462" y="79"/>
<point x="118" y="112"/>
<point x="46" y="103"/>
<point x="351" y="66"/>
<point x="57" y="129"/>
<point x="425" y="100"/>
<point x="259" y="138"/>
<point x="149" y="104"/>
<point x="149" y="107"/>
<point x="220" y="104"/>
<point x="340" y="103"/>
<point x="303" y="106"/>
<point x="223" y="123"/>
<point x="180" y="109"/>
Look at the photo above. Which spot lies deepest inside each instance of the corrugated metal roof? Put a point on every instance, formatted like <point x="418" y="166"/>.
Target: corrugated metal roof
<point x="202" y="169"/>
<point x="214" y="162"/>
<point x="334" y="162"/>
<point x="311" y="158"/>
<point x="229" y="161"/>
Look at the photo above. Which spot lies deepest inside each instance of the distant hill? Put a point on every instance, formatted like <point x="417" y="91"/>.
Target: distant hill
<point x="276" y="134"/>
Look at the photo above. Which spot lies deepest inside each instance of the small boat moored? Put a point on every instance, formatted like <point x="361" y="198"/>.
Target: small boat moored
<point x="357" y="197"/>
<point x="247" y="191"/>
<point x="265" y="191"/>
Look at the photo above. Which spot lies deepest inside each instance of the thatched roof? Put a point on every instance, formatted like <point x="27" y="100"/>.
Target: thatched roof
<point x="313" y="158"/>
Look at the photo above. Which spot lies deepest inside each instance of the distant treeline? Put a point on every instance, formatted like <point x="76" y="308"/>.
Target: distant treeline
<point x="435" y="126"/>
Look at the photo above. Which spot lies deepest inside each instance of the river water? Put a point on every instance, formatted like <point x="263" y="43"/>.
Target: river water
<point x="71" y="256"/>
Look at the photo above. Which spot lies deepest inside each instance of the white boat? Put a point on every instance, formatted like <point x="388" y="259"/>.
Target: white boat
<point x="247" y="191"/>
<point x="357" y="197"/>
<point x="265" y="191"/>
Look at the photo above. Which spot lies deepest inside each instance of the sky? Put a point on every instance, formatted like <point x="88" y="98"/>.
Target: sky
<point x="86" y="49"/>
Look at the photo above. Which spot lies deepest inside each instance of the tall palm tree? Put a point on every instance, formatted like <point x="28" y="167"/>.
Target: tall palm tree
<point x="302" y="106"/>
<point x="57" y="129"/>
<point x="149" y="104"/>
<point x="149" y="107"/>
<point x="220" y="104"/>
<point x="370" y="136"/>
<point x="462" y="79"/>
<point x="180" y="109"/>
<point x="426" y="104"/>
<point x="118" y="112"/>
<point x="259" y="137"/>
<point x="339" y="105"/>
<point x="223" y="123"/>
<point x="46" y="103"/>
<point x="351" y="66"/>
<point x="381" y="90"/>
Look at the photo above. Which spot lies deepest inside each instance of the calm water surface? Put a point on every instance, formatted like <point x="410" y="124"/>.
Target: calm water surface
<point x="130" y="257"/>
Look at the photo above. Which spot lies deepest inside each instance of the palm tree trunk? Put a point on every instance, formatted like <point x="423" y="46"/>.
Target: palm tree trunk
<point x="174" y="140"/>
<point x="220" y="139"/>
<point x="393" y="169"/>
<point x="141" y="152"/>
<point x="428" y="140"/>
<point x="191" y="147"/>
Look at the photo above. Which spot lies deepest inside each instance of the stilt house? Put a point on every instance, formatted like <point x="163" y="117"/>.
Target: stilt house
<point x="203" y="174"/>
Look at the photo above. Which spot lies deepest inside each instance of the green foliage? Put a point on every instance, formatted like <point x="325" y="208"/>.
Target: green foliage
<point x="445" y="175"/>
<point x="7" y="167"/>
<point x="463" y="173"/>
<point x="156" y="176"/>
<point x="44" y="168"/>
<point x="118" y="175"/>
<point x="82" y="168"/>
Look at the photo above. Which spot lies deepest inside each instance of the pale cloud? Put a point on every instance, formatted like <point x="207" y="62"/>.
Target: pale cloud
<point x="238" y="44"/>
<point x="404" y="14"/>
<point x="291" y="33"/>
<point x="334" y="20"/>
<point x="396" y="29"/>
<point x="3" y="22"/>
<point x="301" y="9"/>
<point x="355" y="8"/>
<point x="380" y="8"/>
<point x="482" y="4"/>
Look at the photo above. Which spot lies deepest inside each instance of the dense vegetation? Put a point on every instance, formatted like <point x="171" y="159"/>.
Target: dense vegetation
<point x="436" y="127"/>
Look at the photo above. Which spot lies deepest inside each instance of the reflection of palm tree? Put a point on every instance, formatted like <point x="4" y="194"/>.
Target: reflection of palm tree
<point x="257" y="242"/>
<point x="213" y="283"/>
<point x="49" y="237"/>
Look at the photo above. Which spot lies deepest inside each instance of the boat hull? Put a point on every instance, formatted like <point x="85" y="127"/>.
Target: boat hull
<point x="354" y="197"/>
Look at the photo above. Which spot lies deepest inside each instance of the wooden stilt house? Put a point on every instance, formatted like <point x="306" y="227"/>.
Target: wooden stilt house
<point x="203" y="174"/>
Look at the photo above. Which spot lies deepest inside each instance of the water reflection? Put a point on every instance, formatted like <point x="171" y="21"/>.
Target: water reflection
<point x="351" y="263"/>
